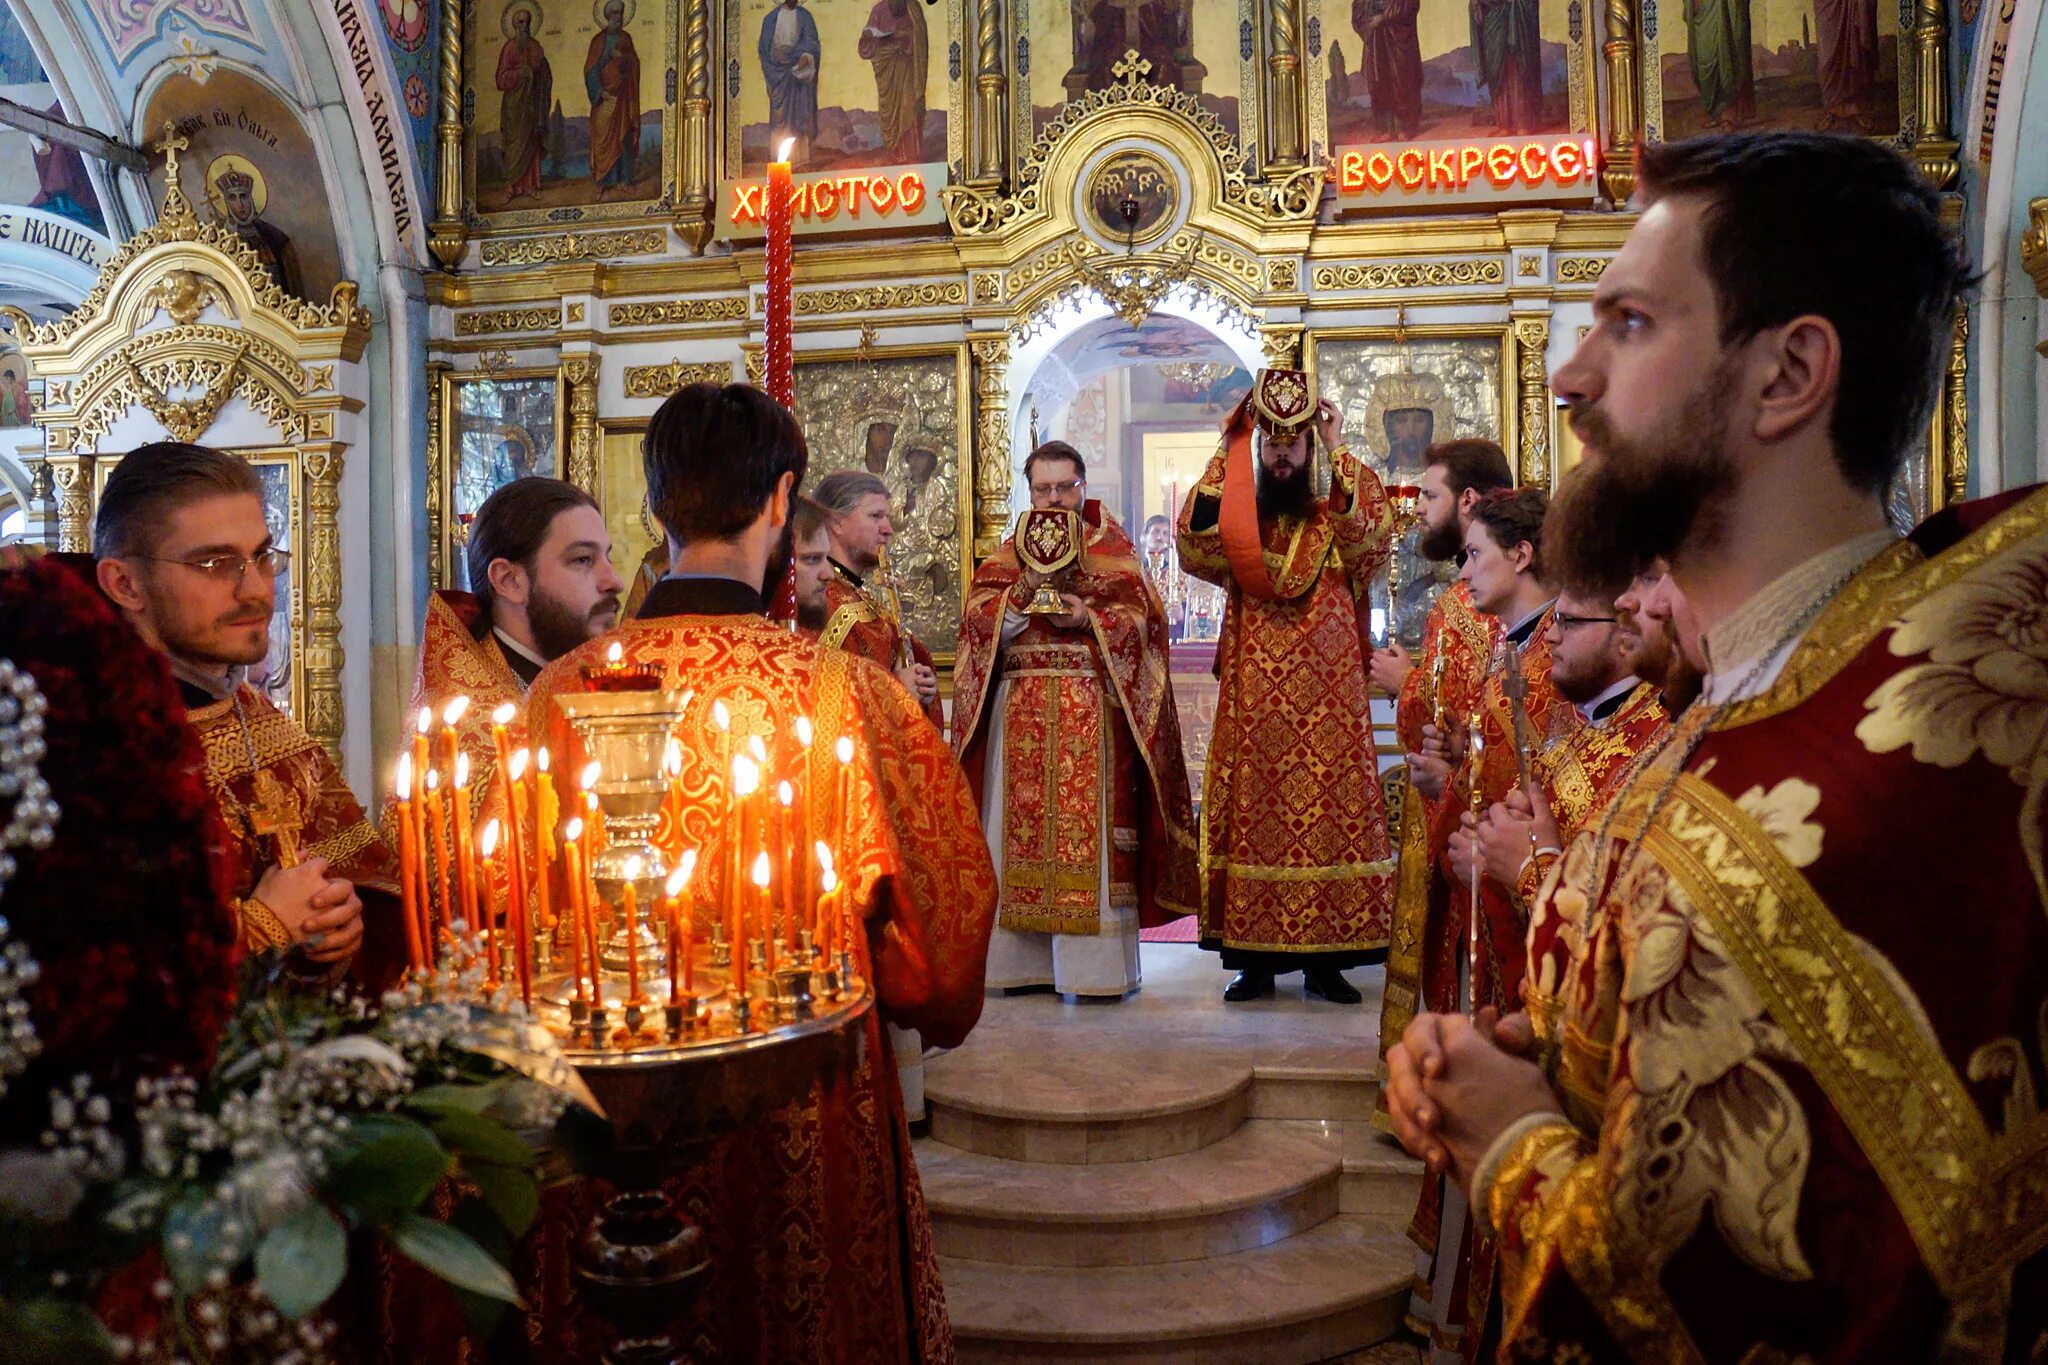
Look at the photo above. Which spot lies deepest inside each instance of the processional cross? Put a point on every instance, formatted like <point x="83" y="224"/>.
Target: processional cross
<point x="173" y="142"/>
<point x="275" y="814"/>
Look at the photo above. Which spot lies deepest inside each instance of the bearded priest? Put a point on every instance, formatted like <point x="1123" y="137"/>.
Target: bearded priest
<point x="862" y="612"/>
<point x="1782" y="1107"/>
<point x="1066" y="726"/>
<point x="1296" y="872"/>
<point x="814" y="1225"/>
<point x="541" y="583"/>
<point x="182" y="548"/>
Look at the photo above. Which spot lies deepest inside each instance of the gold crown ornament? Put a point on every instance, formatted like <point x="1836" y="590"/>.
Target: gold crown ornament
<point x="1282" y="402"/>
<point x="1048" y="541"/>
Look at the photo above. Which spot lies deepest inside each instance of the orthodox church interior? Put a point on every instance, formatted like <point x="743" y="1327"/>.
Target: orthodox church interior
<point x="399" y="252"/>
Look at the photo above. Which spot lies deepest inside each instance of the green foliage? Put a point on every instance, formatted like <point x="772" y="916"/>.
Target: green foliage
<point x="301" y="1262"/>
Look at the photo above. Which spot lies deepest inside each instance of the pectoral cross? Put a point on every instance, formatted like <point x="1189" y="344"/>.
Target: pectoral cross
<point x="275" y="813"/>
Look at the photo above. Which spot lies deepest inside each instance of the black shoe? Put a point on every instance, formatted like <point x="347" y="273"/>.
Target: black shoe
<point x="1249" y="985"/>
<point x="1330" y="984"/>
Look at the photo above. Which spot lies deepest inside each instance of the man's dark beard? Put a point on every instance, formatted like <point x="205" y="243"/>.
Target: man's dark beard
<point x="1682" y="683"/>
<point x="1289" y="497"/>
<point x="558" y="627"/>
<point x="812" y="617"/>
<point x="1441" y="543"/>
<point x="1638" y="500"/>
<point x="778" y="560"/>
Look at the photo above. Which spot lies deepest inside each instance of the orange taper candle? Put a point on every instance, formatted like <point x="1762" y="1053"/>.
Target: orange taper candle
<point x="465" y="869"/>
<point x="572" y="835"/>
<point x="408" y="867"/>
<point x="487" y="848"/>
<point x="631" y="910"/>
<point x="437" y="827"/>
<point x="681" y="930"/>
<point x="547" y="811"/>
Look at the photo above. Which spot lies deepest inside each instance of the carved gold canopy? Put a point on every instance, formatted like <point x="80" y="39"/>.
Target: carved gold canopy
<point x="184" y="318"/>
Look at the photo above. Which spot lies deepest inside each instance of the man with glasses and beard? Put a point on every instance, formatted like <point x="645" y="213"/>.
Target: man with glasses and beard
<point x="1762" y="1010"/>
<point x="181" y="547"/>
<point x="1310" y="890"/>
<point x="541" y="583"/>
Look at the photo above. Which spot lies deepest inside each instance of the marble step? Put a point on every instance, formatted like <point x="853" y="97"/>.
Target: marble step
<point x="1260" y="1184"/>
<point x="1080" y="1108"/>
<point x="1337" y="1288"/>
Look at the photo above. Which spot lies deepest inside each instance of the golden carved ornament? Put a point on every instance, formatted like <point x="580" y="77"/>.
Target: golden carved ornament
<point x="186" y="419"/>
<point x="978" y="211"/>
<point x="988" y="287"/>
<point x="318" y="378"/>
<point x="1409" y="275"/>
<point x="1283" y="276"/>
<point x="659" y="381"/>
<point x="185" y="294"/>
<point x="1532" y="377"/>
<point x="448" y="233"/>
<point x="882" y="297"/>
<point x="722" y="308"/>
<point x="579" y="378"/>
<point x="1281" y="345"/>
<point x="576" y="246"/>
<point x="991" y="442"/>
<point x="1581" y="269"/>
<point x="494" y="321"/>
<point x="2034" y="245"/>
<point x="1133" y="286"/>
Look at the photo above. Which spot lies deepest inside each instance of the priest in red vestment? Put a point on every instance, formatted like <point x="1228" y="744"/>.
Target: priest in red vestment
<point x="1781" y="1107"/>
<point x="1066" y="726"/>
<point x="1312" y="891"/>
<point x="820" y="1248"/>
<point x="863" y="613"/>
<point x="182" y="549"/>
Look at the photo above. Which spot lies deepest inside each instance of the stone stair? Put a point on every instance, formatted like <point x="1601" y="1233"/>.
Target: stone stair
<point x="1170" y="1210"/>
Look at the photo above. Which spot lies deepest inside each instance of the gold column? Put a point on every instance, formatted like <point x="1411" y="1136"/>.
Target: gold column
<point x="1283" y="85"/>
<point x="440" y="465"/>
<point x="323" y="596"/>
<point x="447" y="235"/>
<point x="1949" y="480"/>
<point x="1935" y="152"/>
<point x="991" y="443"/>
<point x="991" y="86"/>
<point x="1624" y="117"/>
<point x="1532" y="372"/>
<point x="695" y="203"/>
<point x="71" y="486"/>
<point x="579" y="376"/>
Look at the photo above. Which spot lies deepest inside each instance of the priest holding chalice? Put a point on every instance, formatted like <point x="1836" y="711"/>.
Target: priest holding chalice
<point x="1066" y="726"/>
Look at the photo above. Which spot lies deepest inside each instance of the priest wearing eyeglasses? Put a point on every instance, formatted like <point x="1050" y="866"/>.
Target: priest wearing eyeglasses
<point x="181" y="547"/>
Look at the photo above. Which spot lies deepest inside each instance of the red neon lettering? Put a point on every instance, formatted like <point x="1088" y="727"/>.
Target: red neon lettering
<point x="1592" y="158"/>
<point x="1443" y="163"/>
<point x="1408" y="165"/>
<point x="1351" y="172"/>
<point x="1469" y="161"/>
<point x="850" y="187"/>
<point x="1532" y="174"/>
<point x="824" y="201"/>
<point x="1379" y="169"/>
<point x="910" y="192"/>
<point x="1565" y="158"/>
<point x="1500" y="166"/>
<point x="881" y="194"/>
<point x="746" y="203"/>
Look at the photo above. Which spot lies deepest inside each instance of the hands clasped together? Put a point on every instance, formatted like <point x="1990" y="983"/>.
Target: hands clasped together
<point x="1454" y="1085"/>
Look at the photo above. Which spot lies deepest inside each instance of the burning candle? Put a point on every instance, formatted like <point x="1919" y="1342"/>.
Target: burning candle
<point x="746" y="778"/>
<point x="828" y="882"/>
<point x="785" y="798"/>
<point x="546" y="812"/>
<point x="438" y="829"/>
<point x="572" y="836"/>
<point x="680" y="929"/>
<point x="632" y="914"/>
<point x="465" y="872"/>
<point x="423" y="729"/>
<point x="781" y="281"/>
<point x="408" y="866"/>
<point x="487" y="846"/>
<point x="450" y="714"/>
<point x="843" y="751"/>
<point x="515" y="857"/>
<point x="761" y="881"/>
<point x="586" y="784"/>
<point x="828" y="877"/>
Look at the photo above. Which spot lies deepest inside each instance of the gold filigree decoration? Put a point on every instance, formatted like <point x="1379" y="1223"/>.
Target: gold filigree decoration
<point x="497" y="320"/>
<point x="659" y="381"/>
<point x="975" y="211"/>
<point x="1409" y="275"/>
<point x="1133" y="286"/>
<point x="576" y="246"/>
<point x="155" y="364"/>
<point x="1283" y="276"/>
<point x="724" y="308"/>
<point x="991" y="442"/>
<point x="1581" y="269"/>
<point x="319" y="377"/>
<point x="988" y="287"/>
<point x="2034" y="244"/>
<point x="186" y="419"/>
<point x="1532" y="371"/>
<point x="882" y="297"/>
<point x="184" y="294"/>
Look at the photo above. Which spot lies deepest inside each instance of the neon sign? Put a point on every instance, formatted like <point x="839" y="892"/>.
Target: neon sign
<point x="1526" y="168"/>
<point x="858" y="198"/>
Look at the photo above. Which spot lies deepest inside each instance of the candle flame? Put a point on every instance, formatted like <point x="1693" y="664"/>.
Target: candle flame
<point x="843" y="750"/>
<point x="782" y="152"/>
<point x="454" y="711"/>
<point x="761" y="868"/>
<point x="786" y="794"/>
<point x="433" y="780"/>
<point x="487" y="842"/>
<point x="828" y="881"/>
<point x="673" y="763"/>
<point x="590" y="772"/>
<point x="721" y="717"/>
<point x="426" y="720"/>
<point x="803" y="731"/>
<point x="757" y="749"/>
<point x="746" y="775"/>
<point x="503" y="715"/>
<point x="633" y="868"/>
<point x="680" y="878"/>
<point x="519" y="761"/>
<point x="824" y="852"/>
<point x="615" y="653"/>
<point x="404" y="781"/>
<point x="573" y="831"/>
<point x="462" y="770"/>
